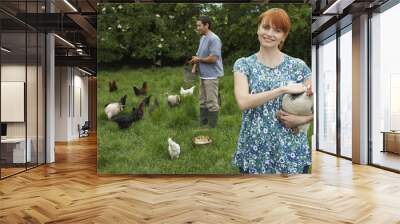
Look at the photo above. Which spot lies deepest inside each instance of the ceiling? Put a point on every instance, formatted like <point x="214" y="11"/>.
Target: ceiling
<point x="332" y="15"/>
<point x="72" y="20"/>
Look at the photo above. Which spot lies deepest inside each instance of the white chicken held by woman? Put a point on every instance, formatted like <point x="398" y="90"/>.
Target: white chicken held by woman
<point x="299" y="104"/>
<point x="174" y="149"/>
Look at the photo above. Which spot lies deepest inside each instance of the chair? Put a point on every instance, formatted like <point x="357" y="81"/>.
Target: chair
<point x="84" y="130"/>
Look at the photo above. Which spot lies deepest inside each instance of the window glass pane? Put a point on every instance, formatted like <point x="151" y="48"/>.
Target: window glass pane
<point x="22" y="87"/>
<point x="15" y="151"/>
<point x="31" y="97"/>
<point x="385" y="84"/>
<point x="327" y="96"/>
<point x="346" y="94"/>
<point x="41" y="99"/>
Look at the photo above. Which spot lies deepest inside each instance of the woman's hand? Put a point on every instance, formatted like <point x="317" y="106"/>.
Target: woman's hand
<point x="309" y="90"/>
<point x="291" y="120"/>
<point x="294" y="88"/>
<point x="308" y="84"/>
<point x="194" y="70"/>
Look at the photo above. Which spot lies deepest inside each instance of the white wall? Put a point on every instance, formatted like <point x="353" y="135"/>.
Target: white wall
<point x="360" y="90"/>
<point x="50" y="96"/>
<point x="70" y="83"/>
<point x="80" y="84"/>
<point x="61" y="103"/>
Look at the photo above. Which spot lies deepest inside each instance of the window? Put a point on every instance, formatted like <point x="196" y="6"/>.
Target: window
<point x="385" y="86"/>
<point x="22" y="75"/>
<point x="346" y="92"/>
<point x="327" y="95"/>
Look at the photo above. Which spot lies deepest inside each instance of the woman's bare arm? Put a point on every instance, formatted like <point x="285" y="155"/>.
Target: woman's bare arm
<point x="246" y="101"/>
<point x="291" y="120"/>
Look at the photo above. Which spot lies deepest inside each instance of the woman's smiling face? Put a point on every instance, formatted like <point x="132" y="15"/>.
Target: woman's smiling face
<point x="273" y="28"/>
<point x="270" y="36"/>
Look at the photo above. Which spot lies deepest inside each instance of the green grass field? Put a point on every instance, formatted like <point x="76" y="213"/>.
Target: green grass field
<point x="143" y="148"/>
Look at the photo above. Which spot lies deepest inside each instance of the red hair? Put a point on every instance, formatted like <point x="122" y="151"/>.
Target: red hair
<point x="278" y="18"/>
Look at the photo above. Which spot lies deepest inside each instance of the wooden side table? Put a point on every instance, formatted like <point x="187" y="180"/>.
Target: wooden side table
<point x="391" y="141"/>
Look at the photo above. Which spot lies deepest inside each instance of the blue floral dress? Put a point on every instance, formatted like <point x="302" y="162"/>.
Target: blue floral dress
<point x="265" y="146"/>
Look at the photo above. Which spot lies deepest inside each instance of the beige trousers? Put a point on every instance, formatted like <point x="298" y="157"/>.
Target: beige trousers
<point x="209" y="94"/>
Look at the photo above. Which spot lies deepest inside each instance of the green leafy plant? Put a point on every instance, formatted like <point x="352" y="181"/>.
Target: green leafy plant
<point x="148" y="34"/>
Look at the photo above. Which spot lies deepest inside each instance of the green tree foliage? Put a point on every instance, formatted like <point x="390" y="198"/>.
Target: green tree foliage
<point x="144" y="34"/>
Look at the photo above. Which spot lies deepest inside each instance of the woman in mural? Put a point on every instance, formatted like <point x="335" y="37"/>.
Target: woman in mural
<point x="267" y="142"/>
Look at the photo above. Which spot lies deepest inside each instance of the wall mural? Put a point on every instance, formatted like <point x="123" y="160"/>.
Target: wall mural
<point x="166" y="89"/>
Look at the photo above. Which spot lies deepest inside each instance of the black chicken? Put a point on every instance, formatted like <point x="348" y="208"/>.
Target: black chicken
<point x="125" y="121"/>
<point x="147" y="100"/>
<point x="142" y="91"/>
<point x="113" y="86"/>
<point x="123" y="100"/>
<point x="138" y="113"/>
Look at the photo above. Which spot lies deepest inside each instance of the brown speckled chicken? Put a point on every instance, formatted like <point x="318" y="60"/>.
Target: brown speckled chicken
<point x="113" y="86"/>
<point x="139" y="111"/>
<point x="142" y="91"/>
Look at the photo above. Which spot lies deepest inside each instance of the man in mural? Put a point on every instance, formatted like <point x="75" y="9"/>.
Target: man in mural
<point x="208" y="61"/>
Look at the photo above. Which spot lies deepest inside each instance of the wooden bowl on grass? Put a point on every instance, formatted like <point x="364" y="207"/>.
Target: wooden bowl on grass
<point x="201" y="140"/>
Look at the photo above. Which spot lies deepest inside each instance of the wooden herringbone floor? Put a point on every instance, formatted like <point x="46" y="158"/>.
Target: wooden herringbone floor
<point x="70" y="191"/>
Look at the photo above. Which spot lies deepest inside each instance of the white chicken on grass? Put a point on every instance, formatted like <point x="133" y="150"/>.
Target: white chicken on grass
<point x="299" y="104"/>
<point x="187" y="92"/>
<point x="173" y="100"/>
<point x="174" y="149"/>
<point x="115" y="108"/>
